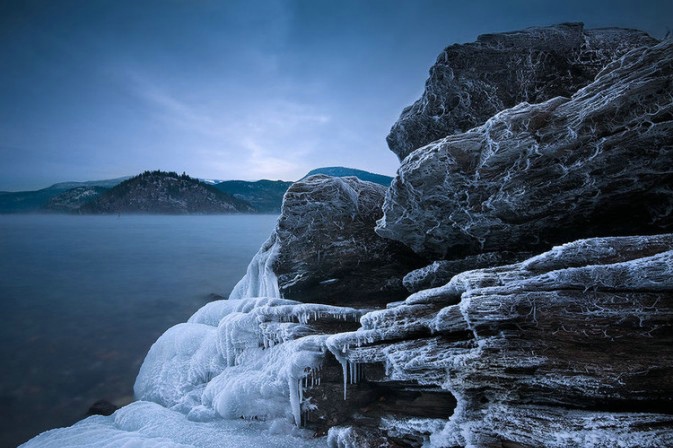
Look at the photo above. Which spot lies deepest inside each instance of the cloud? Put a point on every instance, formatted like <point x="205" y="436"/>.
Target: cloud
<point x="233" y="136"/>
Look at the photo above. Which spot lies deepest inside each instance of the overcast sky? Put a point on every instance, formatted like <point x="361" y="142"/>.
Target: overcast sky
<point x="96" y="89"/>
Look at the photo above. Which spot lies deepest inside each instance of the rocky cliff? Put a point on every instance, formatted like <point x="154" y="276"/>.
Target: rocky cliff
<point x="496" y="347"/>
<point x="471" y="82"/>
<point x="595" y="164"/>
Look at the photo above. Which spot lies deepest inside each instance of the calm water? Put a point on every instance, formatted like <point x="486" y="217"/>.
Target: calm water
<point x="82" y="299"/>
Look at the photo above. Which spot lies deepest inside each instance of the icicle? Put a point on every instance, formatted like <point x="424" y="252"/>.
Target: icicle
<point x="295" y="399"/>
<point x="345" y="372"/>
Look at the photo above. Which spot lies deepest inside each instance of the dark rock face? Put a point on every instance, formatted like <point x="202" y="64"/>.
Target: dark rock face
<point x="102" y="407"/>
<point x="569" y="348"/>
<point x="470" y="83"/>
<point x="535" y="175"/>
<point x="324" y="248"/>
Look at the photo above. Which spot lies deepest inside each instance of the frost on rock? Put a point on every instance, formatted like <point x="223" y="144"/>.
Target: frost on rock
<point x="535" y="175"/>
<point x="570" y="348"/>
<point x="440" y="272"/>
<point x="471" y="82"/>
<point x="328" y="251"/>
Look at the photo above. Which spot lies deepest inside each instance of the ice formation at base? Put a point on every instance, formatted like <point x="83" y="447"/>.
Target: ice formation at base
<point x="233" y="375"/>
<point x="149" y="425"/>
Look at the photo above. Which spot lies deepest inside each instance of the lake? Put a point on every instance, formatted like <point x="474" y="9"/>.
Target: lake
<point x="82" y="299"/>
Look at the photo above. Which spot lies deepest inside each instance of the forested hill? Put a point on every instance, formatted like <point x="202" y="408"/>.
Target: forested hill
<point x="160" y="192"/>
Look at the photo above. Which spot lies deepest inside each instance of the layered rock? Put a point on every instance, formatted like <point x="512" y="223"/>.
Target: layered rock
<point x="324" y="248"/>
<point x="440" y="272"/>
<point x="471" y="82"/>
<point x="596" y="164"/>
<point x="569" y="348"/>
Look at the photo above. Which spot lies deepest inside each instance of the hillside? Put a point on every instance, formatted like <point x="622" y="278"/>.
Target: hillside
<point x="160" y="192"/>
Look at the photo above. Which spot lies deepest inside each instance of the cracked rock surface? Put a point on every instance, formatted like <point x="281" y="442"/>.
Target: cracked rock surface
<point x="471" y="82"/>
<point x="596" y="164"/>
<point x="567" y="349"/>
<point x="324" y="248"/>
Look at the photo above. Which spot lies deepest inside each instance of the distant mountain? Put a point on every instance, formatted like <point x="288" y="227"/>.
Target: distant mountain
<point x="106" y="183"/>
<point x="266" y="196"/>
<point x="26" y="201"/>
<point x="339" y="171"/>
<point x="159" y="192"/>
<point x="165" y="193"/>
<point x="39" y="200"/>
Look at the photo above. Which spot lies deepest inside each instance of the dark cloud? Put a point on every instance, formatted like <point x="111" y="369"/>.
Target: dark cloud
<point x="234" y="89"/>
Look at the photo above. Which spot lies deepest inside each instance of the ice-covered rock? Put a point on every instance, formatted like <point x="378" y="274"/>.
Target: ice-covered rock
<point x="324" y="248"/>
<point x="471" y="82"/>
<point x="570" y="348"/>
<point x="440" y="272"/>
<point x="596" y="164"/>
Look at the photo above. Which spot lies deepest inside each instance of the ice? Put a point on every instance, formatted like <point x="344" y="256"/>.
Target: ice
<point x="260" y="280"/>
<point x="182" y="360"/>
<point x="422" y="427"/>
<point x="149" y="425"/>
<point x="255" y="364"/>
<point x="341" y="437"/>
<point x="268" y="383"/>
<point x="212" y="313"/>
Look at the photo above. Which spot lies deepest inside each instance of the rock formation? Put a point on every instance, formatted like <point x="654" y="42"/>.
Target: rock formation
<point x="569" y="348"/>
<point x="596" y="164"/>
<point x="471" y="82"/>
<point x="324" y="248"/>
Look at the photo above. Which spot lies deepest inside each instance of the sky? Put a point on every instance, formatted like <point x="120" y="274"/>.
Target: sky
<point x="229" y="89"/>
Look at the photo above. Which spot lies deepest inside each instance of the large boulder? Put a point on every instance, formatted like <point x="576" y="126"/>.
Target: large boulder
<point x="596" y="164"/>
<point x="324" y="248"/>
<point x="471" y="82"/>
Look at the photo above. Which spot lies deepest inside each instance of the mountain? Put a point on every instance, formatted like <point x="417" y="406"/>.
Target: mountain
<point x="106" y="183"/>
<point x="266" y="196"/>
<point x="340" y="171"/>
<point x="40" y="200"/>
<point x="160" y="192"/>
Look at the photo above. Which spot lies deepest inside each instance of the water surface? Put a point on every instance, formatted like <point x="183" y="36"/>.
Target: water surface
<point x="82" y="299"/>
